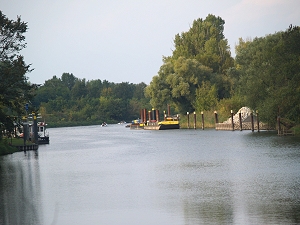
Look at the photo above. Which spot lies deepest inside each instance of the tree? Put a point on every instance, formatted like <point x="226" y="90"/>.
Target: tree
<point x="205" y="42"/>
<point x="15" y="90"/>
<point x="68" y="80"/>
<point x="206" y="97"/>
<point x="269" y="69"/>
<point x="177" y="82"/>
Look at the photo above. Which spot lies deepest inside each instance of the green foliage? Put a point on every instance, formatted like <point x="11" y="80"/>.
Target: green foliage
<point x="269" y="70"/>
<point x="200" y="55"/>
<point x="70" y="101"/>
<point x="15" y="90"/>
<point x="206" y="97"/>
<point x="205" y="42"/>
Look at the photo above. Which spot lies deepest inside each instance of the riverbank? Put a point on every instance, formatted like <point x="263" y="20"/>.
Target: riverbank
<point x="9" y="146"/>
<point x="6" y="149"/>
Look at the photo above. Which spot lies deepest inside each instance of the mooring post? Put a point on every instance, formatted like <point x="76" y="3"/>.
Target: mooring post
<point x="202" y="118"/>
<point x="257" y="120"/>
<point x="149" y="115"/>
<point x="188" y="119"/>
<point x="165" y="116"/>
<point x="35" y="128"/>
<point x="252" y="122"/>
<point x="145" y="116"/>
<point x="232" y="123"/>
<point x="195" y="121"/>
<point x="278" y="125"/>
<point x="240" y="119"/>
<point x="216" y="117"/>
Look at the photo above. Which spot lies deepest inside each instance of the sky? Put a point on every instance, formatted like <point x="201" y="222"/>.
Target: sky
<point x="125" y="41"/>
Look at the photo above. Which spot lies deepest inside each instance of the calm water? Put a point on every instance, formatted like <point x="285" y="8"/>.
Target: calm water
<point x="114" y="175"/>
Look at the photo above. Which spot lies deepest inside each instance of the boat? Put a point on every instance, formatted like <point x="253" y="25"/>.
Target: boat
<point x="170" y="122"/>
<point x="137" y="124"/>
<point x="154" y="123"/>
<point x="43" y="134"/>
<point x="104" y="124"/>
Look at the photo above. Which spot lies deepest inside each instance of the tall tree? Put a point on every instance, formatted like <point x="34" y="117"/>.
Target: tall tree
<point x="205" y="42"/>
<point x="177" y="82"/>
<point x="269" y="68"/>
<point x="15" y="90"/>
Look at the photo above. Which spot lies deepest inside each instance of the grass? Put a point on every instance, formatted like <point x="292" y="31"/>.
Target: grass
<point x="209" y="120"/>
<point x="7" y="145"/>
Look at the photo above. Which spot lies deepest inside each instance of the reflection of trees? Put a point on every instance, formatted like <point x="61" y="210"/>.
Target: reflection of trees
<point x="20" y="189"/>
<point x="205" y="199"/>
<point x="216" y="193"/>
<point x="210" y="203"/>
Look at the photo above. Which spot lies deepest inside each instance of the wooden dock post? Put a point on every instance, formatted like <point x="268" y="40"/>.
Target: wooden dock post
<point x="257" y="120"/>
<point x="202" y="118"/>
<point x="278" y="124"/>
<point x="240" y="119"/>
<point x="188" y="120"/>
<point x="195" y="121"/>
<point x="144" y="116"/>
<point x="232" y="122"/>
<point x="157" y="115"/>
<point x="252" y="122"/>
<point x="216" y="117"/>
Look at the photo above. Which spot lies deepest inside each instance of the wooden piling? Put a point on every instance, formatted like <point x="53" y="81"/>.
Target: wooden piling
<point x="240" y="119"/>
<point x="188" y="120"/>
<point x="252" y="122"/>
<point x="216" y="117"/>
<point x="195" y="121"/>
<point x="144" y="115"/>
<point x="157" y="115"/>
<point x="257" y="120"/>
<point x="202" y="118"/>
<point x="149" y="115"/>
<point x="278" y="125"/>
<point x="232" y="122"/>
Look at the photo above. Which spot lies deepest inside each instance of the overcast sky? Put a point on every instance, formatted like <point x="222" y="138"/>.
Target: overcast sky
<point x="124" y="41"/>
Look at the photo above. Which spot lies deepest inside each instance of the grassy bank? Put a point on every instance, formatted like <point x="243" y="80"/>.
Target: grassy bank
<point x="7" y="145"/>
<point x="209" y="120"/>
<point x="6" y="148"/>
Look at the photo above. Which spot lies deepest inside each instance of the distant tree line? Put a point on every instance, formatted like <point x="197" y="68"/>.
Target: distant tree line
<point x="72" y="101"/>
<point x="200" y="75"/>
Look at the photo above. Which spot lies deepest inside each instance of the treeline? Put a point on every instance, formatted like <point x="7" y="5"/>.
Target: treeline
<point x="72" y="101"/>
<point x="201" y="75"/>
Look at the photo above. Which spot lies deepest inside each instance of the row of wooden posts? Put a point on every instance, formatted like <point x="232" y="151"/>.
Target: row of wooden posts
<point x="153" y="115"/>
<point x="217" y="121"/>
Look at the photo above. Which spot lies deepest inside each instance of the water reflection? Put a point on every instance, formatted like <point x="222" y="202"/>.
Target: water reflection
<point x="20" y="189"/>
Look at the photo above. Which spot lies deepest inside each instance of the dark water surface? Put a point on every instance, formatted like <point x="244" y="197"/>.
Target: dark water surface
<point x="113" y="175"/>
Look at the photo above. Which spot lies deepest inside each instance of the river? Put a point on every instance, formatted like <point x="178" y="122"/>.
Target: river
<point x="113" y="175"/>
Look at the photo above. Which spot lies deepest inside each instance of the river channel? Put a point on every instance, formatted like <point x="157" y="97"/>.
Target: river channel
<point x="116" y="176"/>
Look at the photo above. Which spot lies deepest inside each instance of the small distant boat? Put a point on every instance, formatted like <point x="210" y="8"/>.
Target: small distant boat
<point x="104" y="124"/>
<point x="136" y="124"/>
<point x="43" y="135"/>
